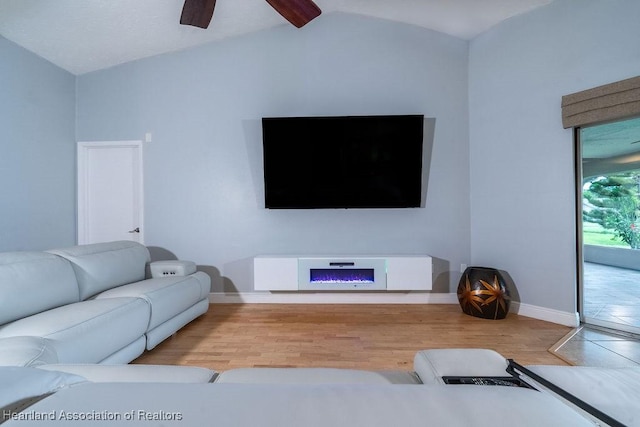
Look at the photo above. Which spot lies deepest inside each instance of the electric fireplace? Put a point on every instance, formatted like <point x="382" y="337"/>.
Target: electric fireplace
<point x="344" y="274"/>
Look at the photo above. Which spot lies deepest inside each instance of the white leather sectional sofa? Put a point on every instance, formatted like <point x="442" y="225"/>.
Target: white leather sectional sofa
<point x="286" y="397"/>
<point x="91" y="304"/>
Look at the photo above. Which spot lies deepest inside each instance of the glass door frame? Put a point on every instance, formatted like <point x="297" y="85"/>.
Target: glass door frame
<point x="577" y="151"/>
<point x="580" y="294"/>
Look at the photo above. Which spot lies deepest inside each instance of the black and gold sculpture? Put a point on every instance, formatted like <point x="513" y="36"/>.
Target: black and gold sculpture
<point x="482" y="292"/>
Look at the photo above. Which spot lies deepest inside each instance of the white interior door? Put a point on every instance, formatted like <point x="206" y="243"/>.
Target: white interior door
<point x="110" y="197"/>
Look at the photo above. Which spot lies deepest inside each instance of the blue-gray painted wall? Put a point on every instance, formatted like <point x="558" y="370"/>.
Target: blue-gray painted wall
<point x="37" y="152"/>
<point x="522" y="161"/>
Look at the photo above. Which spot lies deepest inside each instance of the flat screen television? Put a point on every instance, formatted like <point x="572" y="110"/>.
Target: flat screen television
<point x="343" y="162"/>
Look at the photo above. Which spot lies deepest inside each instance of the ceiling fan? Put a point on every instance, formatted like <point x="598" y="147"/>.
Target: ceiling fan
<point x="198" y="13"/>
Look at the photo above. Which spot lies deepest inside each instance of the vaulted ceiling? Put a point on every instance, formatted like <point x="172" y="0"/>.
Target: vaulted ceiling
<point x="87" y="35"/>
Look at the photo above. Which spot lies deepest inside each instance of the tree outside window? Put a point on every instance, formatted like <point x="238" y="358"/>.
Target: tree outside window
<point x="613" y="202"/>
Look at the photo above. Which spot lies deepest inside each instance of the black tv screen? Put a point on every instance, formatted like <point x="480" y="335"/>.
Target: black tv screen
<point x="343" y="162"/>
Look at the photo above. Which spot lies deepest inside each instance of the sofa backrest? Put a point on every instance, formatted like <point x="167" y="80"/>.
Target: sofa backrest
<point x="32" y="282"/>
<point x="102" y="266"/>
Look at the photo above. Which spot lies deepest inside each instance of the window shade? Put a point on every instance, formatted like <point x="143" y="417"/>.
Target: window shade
<point x="609" y="102"/>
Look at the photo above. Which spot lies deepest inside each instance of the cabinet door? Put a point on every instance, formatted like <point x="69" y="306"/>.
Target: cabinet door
<point x="409" y="273"/>
<point x="275" y="274"/>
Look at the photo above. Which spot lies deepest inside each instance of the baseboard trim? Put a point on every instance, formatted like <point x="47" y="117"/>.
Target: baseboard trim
<point x="332" y="298"/>
<point x="527" y="310"/>
<point x="549" y="315"/>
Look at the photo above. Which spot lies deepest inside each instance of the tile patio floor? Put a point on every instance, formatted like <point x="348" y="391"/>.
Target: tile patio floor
<point x="612" y="294"/>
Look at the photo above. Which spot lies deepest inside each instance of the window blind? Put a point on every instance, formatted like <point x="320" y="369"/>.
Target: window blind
<point x="603" y="103"/>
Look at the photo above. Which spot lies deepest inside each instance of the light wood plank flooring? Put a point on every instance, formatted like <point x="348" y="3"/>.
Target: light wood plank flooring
<point x="362" y="336"/>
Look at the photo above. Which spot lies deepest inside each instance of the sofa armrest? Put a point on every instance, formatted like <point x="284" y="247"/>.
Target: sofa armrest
<point x="26" y="351"/>
<point x="18" y="384"/>
<point x="136" y="373"/>
<point x="172" y="268"/>
<point x="314" y="376"/>
<point x="432" y="365"/>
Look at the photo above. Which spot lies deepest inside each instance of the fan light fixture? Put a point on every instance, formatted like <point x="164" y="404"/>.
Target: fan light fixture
<point x="198" y="13"/>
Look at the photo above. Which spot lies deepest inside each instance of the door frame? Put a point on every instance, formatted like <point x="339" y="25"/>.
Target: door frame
<point x="580" y="257"/>
<point x="579" y="226"/>
<point x="83" y="148"/>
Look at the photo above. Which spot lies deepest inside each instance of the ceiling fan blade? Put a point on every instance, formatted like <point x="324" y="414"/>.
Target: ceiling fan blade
<point x="197" y="12"/>
<point x="298" y="12"/>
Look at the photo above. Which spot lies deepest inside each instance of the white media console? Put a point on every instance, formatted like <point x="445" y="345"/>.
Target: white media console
<point x="342" y="273"/>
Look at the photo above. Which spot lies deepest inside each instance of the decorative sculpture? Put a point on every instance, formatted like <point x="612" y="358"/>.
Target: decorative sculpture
<point x="482" y="292"/>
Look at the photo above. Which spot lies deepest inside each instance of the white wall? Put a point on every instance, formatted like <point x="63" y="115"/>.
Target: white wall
<point x="203" y="107"/>
<point x="522" y="182"/>
<point x="37" y="152"/>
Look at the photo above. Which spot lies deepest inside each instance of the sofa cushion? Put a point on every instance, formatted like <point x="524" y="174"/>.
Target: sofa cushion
<point x="86" y="331"/>
<point x="32" y="282"/>
<point x="102" y="266"/>
<point x="26" y="351"/>
<point x="168" y="296"/>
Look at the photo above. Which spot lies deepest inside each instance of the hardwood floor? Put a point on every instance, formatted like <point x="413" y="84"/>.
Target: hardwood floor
<point x="362" y="336"/>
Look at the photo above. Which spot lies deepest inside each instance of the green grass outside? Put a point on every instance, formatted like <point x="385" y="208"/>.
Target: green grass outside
<point x="594" y="234"/>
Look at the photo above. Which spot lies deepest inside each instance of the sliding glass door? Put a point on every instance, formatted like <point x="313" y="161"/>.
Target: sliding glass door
<point x="609" y="229"/>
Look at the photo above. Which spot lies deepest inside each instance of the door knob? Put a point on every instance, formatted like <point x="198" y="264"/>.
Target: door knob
<point x="135" y="230"/>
